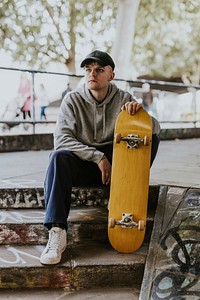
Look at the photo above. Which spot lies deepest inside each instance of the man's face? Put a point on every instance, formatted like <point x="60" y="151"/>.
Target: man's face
<point x="98" y="77"/>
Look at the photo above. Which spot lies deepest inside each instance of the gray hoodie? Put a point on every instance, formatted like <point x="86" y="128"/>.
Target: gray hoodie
<point x="84" y="124"/>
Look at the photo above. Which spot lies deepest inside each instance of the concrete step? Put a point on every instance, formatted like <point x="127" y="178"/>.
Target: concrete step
<point x="86" y="266"/>
<point x="88" y="262"/>
<point x="24" y="226"/>
<point x="87" y="220"/>
<point x="34" y="197"/>
<point x="111" y="293"/>
<point x="81" y="196"/>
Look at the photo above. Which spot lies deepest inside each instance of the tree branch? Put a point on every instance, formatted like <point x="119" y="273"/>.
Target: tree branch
<point x="50" y="12"/>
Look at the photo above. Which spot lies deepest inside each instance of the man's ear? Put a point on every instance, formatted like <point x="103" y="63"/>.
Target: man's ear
<point x="112" y="76"/>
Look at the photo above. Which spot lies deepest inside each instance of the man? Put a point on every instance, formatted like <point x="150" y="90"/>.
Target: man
<point x="83" y="145"/>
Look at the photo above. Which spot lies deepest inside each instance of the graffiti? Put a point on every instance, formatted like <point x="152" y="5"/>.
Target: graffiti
<point x="23" y="198"/>
<point x="90" y="196"/>
<point x="186" y="251"/>
<point x="16" y="257"/>
<point x="172" y="286"/>
<point x="179" y="283"/>
<point x="34" y="198"/>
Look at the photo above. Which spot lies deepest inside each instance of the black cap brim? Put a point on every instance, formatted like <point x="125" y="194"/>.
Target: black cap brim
<point x="91" y="59"/>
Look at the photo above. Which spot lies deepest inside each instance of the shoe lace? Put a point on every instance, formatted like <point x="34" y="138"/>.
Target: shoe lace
<point x="54" y="240"/>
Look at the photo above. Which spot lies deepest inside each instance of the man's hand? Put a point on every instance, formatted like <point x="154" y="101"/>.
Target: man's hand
<point x="132" y="107"/>
<point x="105" y="168"/>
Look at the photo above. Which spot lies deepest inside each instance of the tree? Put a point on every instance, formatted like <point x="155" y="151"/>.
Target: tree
<point x="42" y="31"/>
<point x="167" y="40"/>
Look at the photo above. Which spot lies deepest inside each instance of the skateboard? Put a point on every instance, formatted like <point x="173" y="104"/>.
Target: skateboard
<point x="129" y="181"/>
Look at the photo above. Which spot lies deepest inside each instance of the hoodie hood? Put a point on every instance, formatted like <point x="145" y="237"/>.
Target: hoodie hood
<point x="87" y="96"/>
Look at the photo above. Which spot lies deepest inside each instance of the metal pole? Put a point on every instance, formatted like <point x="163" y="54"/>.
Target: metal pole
<point x="194" y="102"/>
<point x="33" y="100"/>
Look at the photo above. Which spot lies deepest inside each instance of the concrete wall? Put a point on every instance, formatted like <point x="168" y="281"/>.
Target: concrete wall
<point x="26" y="142"/>
<point x="45" y="141"/>
<point x="179" y="133"/>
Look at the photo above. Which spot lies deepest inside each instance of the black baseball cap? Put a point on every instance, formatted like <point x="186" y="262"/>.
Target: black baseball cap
<point x="102" y="58"/>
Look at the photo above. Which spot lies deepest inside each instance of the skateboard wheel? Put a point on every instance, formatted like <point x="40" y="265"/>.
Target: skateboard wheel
<point x="117" y="138"/>
<point x="112" y="222"/>
<point x="147" y="140"/>
<point x="141" y="225"/>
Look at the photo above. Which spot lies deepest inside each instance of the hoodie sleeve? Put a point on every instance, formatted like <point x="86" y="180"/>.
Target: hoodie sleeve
<point x="65" y="136"/>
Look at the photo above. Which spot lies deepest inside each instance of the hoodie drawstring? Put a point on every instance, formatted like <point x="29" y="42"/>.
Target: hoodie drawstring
<point x="104" y="120"/>
<point x="95" y="121"/>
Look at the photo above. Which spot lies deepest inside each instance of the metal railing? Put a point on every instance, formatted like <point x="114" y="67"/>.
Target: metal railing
<point x="160" y="85"/>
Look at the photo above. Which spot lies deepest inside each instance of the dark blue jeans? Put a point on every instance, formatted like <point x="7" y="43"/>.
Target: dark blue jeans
<point x="66" y="170"/>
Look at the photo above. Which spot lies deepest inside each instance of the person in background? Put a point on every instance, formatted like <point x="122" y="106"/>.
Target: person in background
<point x="24" y="89"/>
<point x="83" y="142"/>
<point x="24" y="95"/>
<point x="147" y="96"/>
<point x="26" y="108"/>
<point x="68" y="89"/>
<point x="43" y="101"/>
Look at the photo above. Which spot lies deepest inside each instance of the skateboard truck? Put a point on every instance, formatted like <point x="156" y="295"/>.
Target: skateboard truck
<point x="133" y="140"/>
<point x="127" y="222"/>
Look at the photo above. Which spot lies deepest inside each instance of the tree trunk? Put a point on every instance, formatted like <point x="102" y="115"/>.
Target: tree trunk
<point x="70" y="61"/>
<point x="123" y="43"/>
<point x="70" y="64"/>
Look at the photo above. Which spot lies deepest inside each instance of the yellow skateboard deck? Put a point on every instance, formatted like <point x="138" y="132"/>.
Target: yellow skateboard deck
<point x="130" y="181"/>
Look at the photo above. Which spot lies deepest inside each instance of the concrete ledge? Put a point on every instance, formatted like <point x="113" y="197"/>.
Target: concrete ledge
<point x="26" y="142"/>
<point x="179" y="133"/>
<point x="34" y="197"/>
<point x="45" y="141"/>
<point x="81" y="197"/>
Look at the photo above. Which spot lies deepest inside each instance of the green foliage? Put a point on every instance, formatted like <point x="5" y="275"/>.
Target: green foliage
<point x="42" y="31"/>
<point x="166" y="43"/>
<point x="167" y="39"/>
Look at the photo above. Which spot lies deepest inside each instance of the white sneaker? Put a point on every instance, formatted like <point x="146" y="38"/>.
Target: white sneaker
<point x="55" y="247"/>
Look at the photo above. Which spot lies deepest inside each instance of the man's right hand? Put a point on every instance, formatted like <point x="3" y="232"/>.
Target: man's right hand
<point x="132" y="107"/>
<point x="105" y="168"/>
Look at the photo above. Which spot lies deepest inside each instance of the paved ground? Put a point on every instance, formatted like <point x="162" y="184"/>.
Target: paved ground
<point x="177" y="164"/>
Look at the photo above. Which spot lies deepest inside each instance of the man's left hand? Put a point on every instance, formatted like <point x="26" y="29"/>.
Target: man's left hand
<point x="132" y="107"/>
